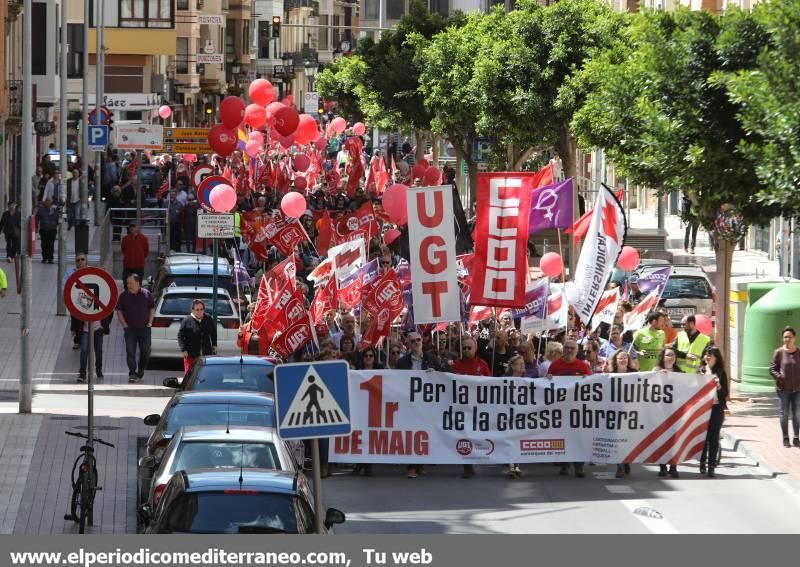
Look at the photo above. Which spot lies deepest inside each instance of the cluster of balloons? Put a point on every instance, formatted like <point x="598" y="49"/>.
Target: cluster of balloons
<point x="431" y="176"/>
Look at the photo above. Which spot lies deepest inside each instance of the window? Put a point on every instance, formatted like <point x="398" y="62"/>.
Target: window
<point x="439" y="6"/>
<point x="324" y="33"/>
<point x="39" y="51"/>
<point x="182" y="55"/>
<point x="146" y="14"/>
<point x="246" y="36"/>
<point x="264" y="38"/>
<point x="123" y="79"/>
<point x="395" y="10"/>
<point x="372" y="9"/>
<point x="231" y="512"/>
<point x="183" y="4"/>
<point x="75" y="56"/>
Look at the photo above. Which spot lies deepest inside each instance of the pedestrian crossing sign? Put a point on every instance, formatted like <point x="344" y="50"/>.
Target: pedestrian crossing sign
<point x="313" y="399"/>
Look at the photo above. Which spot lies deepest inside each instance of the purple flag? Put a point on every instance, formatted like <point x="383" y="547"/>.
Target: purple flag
<point x="651" y="279"/>
<point x="551" y="207"/>
<point x="535" y="300"/>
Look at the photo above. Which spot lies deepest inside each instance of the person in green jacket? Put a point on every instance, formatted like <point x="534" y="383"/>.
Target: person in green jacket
<point x="3" y="283"/>
<point x="649" y="341"/>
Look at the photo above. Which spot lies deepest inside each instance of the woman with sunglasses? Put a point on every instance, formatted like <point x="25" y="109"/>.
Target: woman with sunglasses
<point x="621" y="364"/>
<point x="368" y="360"/>
<point x="785" y="368"/>
<point x="714" y="367"/>
<point x="667" y="362"/>
<point x="395" y="352"/>
<point x="516" y="368"/>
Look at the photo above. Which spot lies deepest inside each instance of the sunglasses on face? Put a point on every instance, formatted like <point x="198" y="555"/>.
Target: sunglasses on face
<point x="395" y="352"/>
<point x="467" y="348"/>
<point x="369" y="356"/>
<point x="80" y="259"/>
<point x="416" y="340"/>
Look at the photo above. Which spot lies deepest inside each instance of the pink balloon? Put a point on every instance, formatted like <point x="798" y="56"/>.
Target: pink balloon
<point x="190" y="157"/>
<point x="628" y="258"/>
<point x="390" y="236"/>
<point x="339" y="124"/>
<point x="255" y="116"/>
<point x="321" y="143"/>
<point x="223" y="198"/>
<point x="257" y="136"/>
<point x="302" y="162"/>
<point x="394" y="203"/>
<point x="261" y="92"/>
<point x="359" y="128"/>
<point x="165" y="112"/>
<point x="231" y="111"/>
<point x="551" y="264"/>
<point x="293" y="204"/>
<point x="432" y="177"/>
<point x="252" y="148"/>
<point x="703" y="324"/>
<point x="300" y="183"/>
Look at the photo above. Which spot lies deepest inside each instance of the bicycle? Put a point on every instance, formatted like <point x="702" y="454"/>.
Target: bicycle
<point x="84" y="485"/>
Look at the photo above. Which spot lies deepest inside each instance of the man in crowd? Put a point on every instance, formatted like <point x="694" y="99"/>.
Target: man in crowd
<point x="635" y="294"/>
<point x="75" y="324"/>
<point x="135" y="248"/>
<point x="570" y="365"/>
<point x="348" y="330"/>
<point x="80" y="331"/>
<point x="11" y="227"/>
<point x="197" y="335"/>
<point x="47" y="221"/>
<point x="135" y="309"/>
<point x="649" y="341"/>
<point x="416" y="358"/>
<point x="499" y="355"/>
<point x="616" y="343"/>
<point x="175" y="213"/>
<point x="690" y="344"/>
<point x="73" y="198"/>
<point x="471" y="365"/>
<point x="53" y="189"/>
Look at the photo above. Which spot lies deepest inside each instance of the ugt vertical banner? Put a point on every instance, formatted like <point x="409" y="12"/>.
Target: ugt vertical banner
<point x="501" y="239"/>
<point x="432" y="245"/>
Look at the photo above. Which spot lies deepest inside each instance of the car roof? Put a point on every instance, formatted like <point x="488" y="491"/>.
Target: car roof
<point x="198" y="268"/>
<point x="233" y="397"/>
<point x="194" y="289"/>
<point x="262" y="480"/>
<point x="245" y="359"/>
<point x="239" y="433"/>
<point x="677" y="269"/>
<point x="180" y="257"/>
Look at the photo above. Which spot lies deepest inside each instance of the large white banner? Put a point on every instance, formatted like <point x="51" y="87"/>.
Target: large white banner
<point x="411" y="417"/>
<point x="432" y="245"/>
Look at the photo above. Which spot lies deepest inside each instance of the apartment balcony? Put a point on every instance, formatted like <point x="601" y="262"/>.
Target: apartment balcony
<point x="295" y="4"/>
<point x="14" y="97"/>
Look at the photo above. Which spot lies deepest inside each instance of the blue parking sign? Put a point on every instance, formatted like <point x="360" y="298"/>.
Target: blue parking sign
<point x="313" y="399"/>
<point x="98" y="136"/>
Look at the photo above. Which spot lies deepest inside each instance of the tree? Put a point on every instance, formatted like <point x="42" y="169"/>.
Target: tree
<point x="655" y="107"/>
<point x="345" y="80"/>
<point x="768" y="102"/>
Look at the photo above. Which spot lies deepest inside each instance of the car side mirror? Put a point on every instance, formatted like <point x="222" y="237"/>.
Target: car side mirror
<point x="145" y="514"/>
<point x="171" y="382"/>
<point x="150" y="462"/>
<point x="333" y="516"/>
<point x="152" y="419"/>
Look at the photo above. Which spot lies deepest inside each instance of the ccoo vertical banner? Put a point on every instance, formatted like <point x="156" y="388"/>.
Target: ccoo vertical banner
<point x="432" y="243"/>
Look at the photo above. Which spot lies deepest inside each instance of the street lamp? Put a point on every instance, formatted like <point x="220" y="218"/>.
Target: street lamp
<point x="311" y="67"/>
<point x="236" y="68"/>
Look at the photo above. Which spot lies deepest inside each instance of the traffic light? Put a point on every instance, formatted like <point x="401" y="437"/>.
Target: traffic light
<point x="276" y="26"/>
<point x="209" y="109"/>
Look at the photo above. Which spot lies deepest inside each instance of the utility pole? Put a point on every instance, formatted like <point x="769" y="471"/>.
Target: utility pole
<point x="62" y="140"/>
<point x="84" y="122"/>
<point x="376" y="132"/>
<point x="25" y="382"/>
<point x="99" y="63"/>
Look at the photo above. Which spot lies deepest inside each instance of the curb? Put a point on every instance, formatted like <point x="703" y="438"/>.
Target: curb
<point x="739" y="444"/>
<point x="121" y="390"/>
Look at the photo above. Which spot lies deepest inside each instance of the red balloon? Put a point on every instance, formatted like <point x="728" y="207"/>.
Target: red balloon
<point x="703" y="324"/>
<point x="286" y="141"/>
<point x="302" y="162"/>
<point x="551" y="264"/>
<point x="628" y="258"/>
<point x="222" y="140"/>
<point x="321" y="143"/>
<point x="286" y="120"/>
<point x="261" y="92"/>
<point x="432" y="177"/>
<point x="394" y="203"/>
<point x="390" y="236"/>
<point x="231" y="111"/>
<point x="300" y="183"/>
<point x="308" y="126"/>
<point x="419" y="169"/>
<point x="272" y="108"/>
<point x="255" y="116"/>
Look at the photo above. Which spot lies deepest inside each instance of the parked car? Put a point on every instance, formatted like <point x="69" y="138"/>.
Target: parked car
<point x="198" y="270"/>
<point x="175" y="303"/>
<point x="688" y="292"/>
<point x="217" y="447"/>
<point x="228" y="373"/>
<point x="232" y="409"/>
<point x="200" y="501"/>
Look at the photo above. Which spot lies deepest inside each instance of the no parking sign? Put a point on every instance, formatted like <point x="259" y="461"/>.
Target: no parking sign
<point x="90" y="294"/>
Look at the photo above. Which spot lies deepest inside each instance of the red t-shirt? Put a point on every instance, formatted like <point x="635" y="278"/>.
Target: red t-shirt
<point x="575" y="368"/>
<point x="471" y="367"/>
<point x="135" y="250"/>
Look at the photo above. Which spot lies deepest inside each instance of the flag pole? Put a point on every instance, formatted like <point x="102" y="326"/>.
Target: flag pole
<point x="561" y="253"/>
<point x="494" y="333"/>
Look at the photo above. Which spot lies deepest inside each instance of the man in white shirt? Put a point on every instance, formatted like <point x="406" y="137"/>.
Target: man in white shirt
<point x="348" y="330"/>
<point x="73" y="199"/>
<point x="53" y="189"/>
<point x="558" y="168"/>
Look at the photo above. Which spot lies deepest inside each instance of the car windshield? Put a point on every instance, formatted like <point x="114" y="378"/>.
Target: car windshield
<point x="208" y="455"/>
<point x="234" y="376"/>
<point x="689" y="287"/>
<point x="181" y="304"/>
<point x="219" y="414"/>
<point x="233" y="511"/>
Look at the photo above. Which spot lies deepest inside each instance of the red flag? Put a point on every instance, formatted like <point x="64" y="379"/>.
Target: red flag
<point x="362" y="219"/>
<point x="324" y="234"/>
<point x="384" y="301"/>
<point x="355" y="171"/>
<point x="372" y="336"/>
<point x="542" y="177"/>
<point x="581" y="226"/>
<point x="166" y="185"/>
<point x="288" y="309"/>
<point x="324" y="301"/>
<point x="295" y="337"/>
<point x="258" y="230"/>
<point x="383" y="179"/>
<point x="279" y="276"/>
<point x="349" y="294"/>
<point x="322" y="272"/>
<point x="226" y="173"/>
<point x="288" y="237"/>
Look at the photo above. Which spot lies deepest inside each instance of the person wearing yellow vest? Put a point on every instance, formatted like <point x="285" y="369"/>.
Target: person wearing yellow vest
<point x="690" y="344"/>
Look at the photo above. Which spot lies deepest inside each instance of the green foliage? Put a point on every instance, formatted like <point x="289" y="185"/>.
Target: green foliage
<point x="769" y="103"/>
<point x="654" y="105"/>
<point x="345" y="80"/>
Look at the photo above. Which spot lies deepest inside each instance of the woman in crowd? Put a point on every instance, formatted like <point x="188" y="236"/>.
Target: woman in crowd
<point x="368" y="360"/>
<point x="667" y="362"/>
<point x="621" y="364"/>
<point x="785" y="368"/>
<point x="347" y="344"/>
<point x="553" y="351"/>
<point x="528" y="352"/>
<point x="714" y="367"/>
<point x="516" y="367"/>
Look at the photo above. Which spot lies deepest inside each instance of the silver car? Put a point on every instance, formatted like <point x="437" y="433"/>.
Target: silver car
<point x="688" y="291"/>
<point x="217" y="447"/>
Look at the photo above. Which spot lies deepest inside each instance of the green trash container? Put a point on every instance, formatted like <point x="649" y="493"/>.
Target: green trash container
<point x="766" y="317"/>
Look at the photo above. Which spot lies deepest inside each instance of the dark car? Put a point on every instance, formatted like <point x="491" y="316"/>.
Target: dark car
<point x="148" y="177"/>
<point x="209" y="408"/>
<point x="253" y="501"/>
<point x="227" y="373"/>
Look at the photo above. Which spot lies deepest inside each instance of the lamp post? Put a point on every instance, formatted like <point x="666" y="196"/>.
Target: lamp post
<point x="311" y="67"/>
